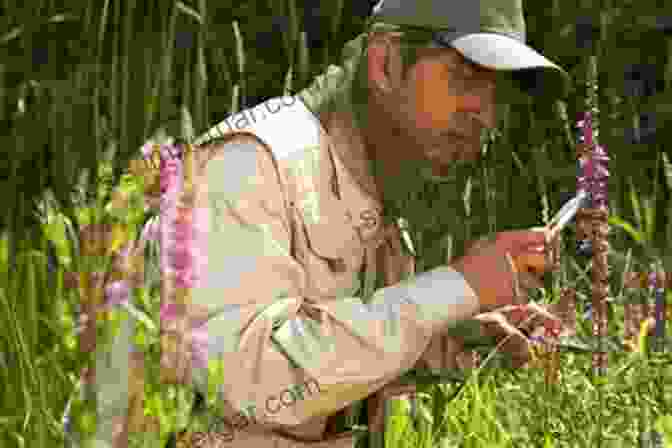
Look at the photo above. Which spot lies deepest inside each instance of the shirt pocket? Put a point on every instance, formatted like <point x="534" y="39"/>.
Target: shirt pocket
<point x="331" y="252"/>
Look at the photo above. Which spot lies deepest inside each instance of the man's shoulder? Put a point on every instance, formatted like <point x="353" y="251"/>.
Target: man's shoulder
<point x="277" y="141"/>
<point x="283" y="124"/>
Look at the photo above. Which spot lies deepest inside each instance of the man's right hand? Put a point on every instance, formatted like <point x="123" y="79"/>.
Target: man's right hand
<point x="487" y="267"/>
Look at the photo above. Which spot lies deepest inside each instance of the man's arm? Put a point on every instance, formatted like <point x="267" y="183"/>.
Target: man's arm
<point x="272" y="340"/>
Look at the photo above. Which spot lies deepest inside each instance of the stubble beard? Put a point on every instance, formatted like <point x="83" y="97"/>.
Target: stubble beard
<point x="406" y="158"/>
<point x="435" y="151"/>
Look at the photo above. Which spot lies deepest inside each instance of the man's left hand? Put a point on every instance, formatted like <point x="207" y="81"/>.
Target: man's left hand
<point x="507" y="324"/>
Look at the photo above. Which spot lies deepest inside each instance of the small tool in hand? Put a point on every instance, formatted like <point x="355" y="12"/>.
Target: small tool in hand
<point x="565" y="214"/>
<point x="525" y="264"/>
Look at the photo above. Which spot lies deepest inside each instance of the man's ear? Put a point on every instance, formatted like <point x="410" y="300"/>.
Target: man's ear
<point x="383" y="63"/>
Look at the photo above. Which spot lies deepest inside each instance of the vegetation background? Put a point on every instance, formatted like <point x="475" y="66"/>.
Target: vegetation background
<point x="85" y="83"/>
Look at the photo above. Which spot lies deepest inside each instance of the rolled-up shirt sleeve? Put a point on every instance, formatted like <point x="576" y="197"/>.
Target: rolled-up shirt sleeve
<point x="270" y="338"/>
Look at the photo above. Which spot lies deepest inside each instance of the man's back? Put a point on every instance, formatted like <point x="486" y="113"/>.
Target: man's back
<point x="292" y="244"/>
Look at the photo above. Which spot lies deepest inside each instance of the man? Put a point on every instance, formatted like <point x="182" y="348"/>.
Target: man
<point x="309" y="296"/>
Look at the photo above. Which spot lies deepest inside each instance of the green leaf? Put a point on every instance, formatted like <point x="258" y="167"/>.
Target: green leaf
<point x="10" y="420"/>
<point x="589" y="344"/>
<point x="189" y="11"/>
<point x="188" y="132"/>
<point x="626" y="227"/>
<point x="667" y="169"/>
<point x="664" y="425"/>
<point x="55" y="230"/>
<point x="425" y="414"/>
<point x="432" y="376"/>
<point x="634" y="201"/>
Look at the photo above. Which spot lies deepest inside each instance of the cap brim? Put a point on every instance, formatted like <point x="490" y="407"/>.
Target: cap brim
<point x="500" y="52"/>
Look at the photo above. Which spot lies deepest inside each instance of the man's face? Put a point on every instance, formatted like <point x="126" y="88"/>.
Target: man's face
<point x="440" y="107"/>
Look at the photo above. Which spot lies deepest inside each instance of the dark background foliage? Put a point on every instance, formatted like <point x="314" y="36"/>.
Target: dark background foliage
<point x="76" y="77"/>
<point x="79" y="77"/>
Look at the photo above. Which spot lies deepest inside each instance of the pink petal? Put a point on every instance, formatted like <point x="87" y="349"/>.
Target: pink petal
<point x="171" y="152"/>
<point x="184" y="279"/>
<point x="181" y="231"/>
<point x="117" y="292"/>
<point x="199" y="347"/>
<point x="181" y="261"/>
<point x="147" y="150"/>
<point x="168" y="311"/>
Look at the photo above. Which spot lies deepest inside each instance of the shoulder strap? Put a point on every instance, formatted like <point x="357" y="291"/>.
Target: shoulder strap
<point x="284" y="124"/>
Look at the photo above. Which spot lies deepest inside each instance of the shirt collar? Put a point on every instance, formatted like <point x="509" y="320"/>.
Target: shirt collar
<point x="354" y="181"/>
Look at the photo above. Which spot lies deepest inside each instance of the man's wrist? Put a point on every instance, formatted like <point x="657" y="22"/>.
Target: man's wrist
<point x="458" y="267"/>
<point x="442" y="295"/>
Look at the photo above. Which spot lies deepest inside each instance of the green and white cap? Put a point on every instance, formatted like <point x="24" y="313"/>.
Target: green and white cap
<point x="490" y="33"/>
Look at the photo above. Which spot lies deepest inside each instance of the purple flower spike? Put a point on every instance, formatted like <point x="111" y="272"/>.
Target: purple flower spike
<point x="171" y="152"/>
<point x="601" y="172"/>
<point x="169" y="172"/>
<point x="652" y="279"/>
<point x="600" y="153"/>
<point x="117" y="293"/>
<point x="584" y="123"/>
<point x="592" y="168"/>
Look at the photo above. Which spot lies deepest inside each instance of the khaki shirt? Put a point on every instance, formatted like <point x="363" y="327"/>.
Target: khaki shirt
<point x="292" y="249"/>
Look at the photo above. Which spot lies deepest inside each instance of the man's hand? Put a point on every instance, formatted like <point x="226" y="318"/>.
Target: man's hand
<point x="498" y="268"/>
<point x="505" y="324"/>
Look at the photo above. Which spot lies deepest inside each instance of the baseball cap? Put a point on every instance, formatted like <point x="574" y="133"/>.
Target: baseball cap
<point x="490" y="33"/>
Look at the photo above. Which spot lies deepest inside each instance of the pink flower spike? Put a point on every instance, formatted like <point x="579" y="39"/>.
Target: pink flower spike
<point x="653" y="279"/>
<point x="168" y="311"/>
<point x="199" y="347"/>
<point x="171" y="152"/>
<point x="184" y="279"/>
<point x="180" y="260"/>
<point x="147" y="150"/>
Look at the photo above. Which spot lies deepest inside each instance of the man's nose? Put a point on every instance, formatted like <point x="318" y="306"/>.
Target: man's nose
<point x="482" y="109"/>
<point x="472" y="104"/>
<point x="481" y="104"/>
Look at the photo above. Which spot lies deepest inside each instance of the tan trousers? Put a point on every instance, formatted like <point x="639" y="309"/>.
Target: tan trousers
<point x="442" y="352"/>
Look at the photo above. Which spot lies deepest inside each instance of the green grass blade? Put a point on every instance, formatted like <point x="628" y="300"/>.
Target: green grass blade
<point x="636" y="235"/>
<point x="304" y="60"/>
<point x="240" y="58"/>
<point x="634" y="202"/>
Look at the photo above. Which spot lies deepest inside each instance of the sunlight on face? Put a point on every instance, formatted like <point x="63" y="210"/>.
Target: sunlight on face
<point x="435" y="102"/>
<point x="445" y="102"/>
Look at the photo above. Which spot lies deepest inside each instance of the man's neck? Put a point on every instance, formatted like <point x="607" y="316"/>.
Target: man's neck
<point x="367" y="149"/>
<point x="351" y="145"/>
<point x="335" y="98"/>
